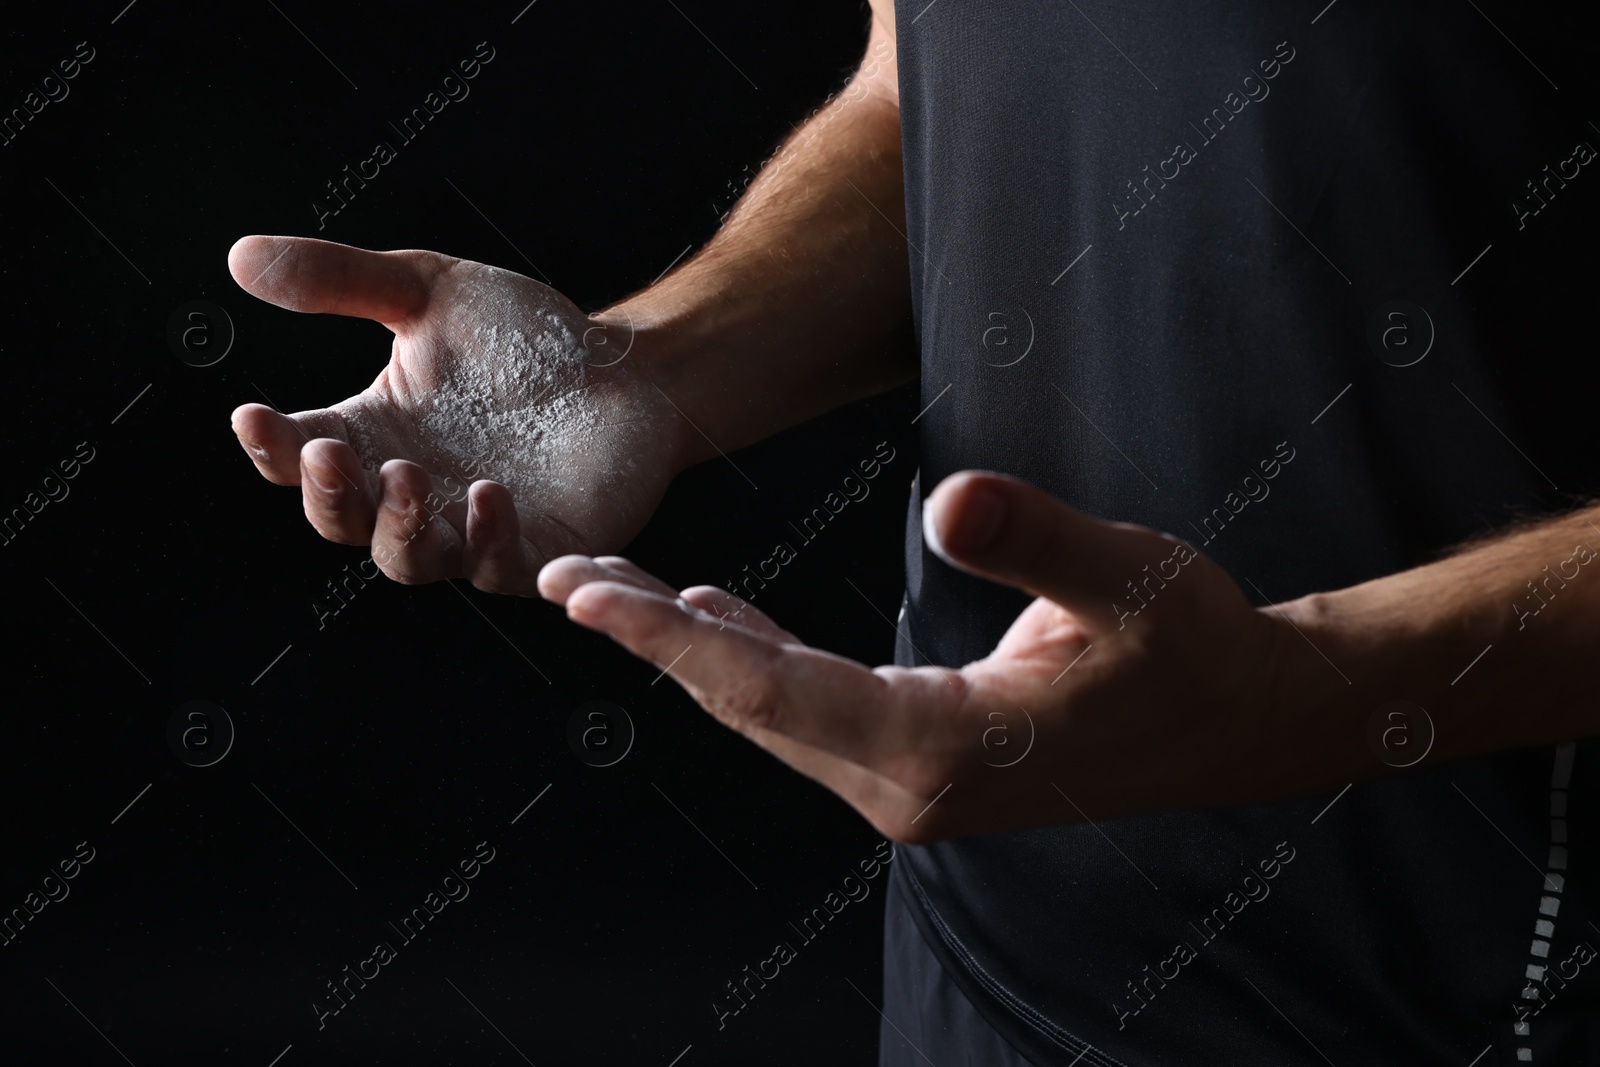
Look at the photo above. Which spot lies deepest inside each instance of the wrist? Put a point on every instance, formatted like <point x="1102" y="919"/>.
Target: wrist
<point x="1345" y="664"/>
<point x="1383" y="674"/>
<point x="660" y="348"/>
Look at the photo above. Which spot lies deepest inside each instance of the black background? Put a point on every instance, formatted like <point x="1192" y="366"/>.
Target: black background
<point x="601" y="141"/>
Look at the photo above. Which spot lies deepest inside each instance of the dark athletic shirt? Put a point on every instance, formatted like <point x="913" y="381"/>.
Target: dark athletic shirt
<point x="1157" y="254"/>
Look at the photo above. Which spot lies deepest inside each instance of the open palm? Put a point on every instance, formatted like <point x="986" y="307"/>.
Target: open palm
<point x="508" y="428"/>
<point x="1084" y="710"/>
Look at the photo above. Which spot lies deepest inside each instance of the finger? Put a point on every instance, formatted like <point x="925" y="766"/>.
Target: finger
<point x="750" y="682"/>
<point x="644" y="578"/>
<point x="569" y="572"/>
<point x="305" y="274"/>
<point x="730" y="609"/>
<point x="496" y="558"/>
<point x="562" y="576"/>
<point x="410" y="543"/>
<point x="883" y="801"/>
<point x="274" y="440"/>
<point x="1006" y="530"/>
<point x="333" y="489"/>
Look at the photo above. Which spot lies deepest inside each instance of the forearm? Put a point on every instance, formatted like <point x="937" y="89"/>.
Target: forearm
<point x="801" y="302"/>
<point x="1496" y="643"/>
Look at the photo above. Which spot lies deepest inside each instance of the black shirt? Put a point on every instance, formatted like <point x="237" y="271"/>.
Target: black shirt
<point x="1157" y="252"/>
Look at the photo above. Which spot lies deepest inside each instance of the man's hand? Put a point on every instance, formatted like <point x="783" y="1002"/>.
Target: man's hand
<point x="508" y="428"/>
<point x="1181" y="704"/>
<point x="800" y="303"/>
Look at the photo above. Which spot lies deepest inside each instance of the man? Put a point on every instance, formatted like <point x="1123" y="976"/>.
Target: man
<point x="1287" y="285"/>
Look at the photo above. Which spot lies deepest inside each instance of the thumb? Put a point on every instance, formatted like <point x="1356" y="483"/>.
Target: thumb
<point x="305" y="274"/>
<point x="1006" y="530"/>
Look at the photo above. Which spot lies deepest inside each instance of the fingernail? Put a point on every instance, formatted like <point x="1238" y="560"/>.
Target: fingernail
<point x="253" y="448"/>
<point x="971" y="528"/>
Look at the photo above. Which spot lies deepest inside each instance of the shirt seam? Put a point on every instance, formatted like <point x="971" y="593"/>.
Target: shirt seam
<point x="1014" y="1004"/>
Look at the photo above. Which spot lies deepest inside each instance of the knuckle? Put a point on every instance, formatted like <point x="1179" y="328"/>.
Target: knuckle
<point x="755" y="704"/>
<point x="760" y="704"/>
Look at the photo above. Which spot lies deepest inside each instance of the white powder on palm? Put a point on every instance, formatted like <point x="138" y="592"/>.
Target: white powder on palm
<point x="500" y="386"/>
